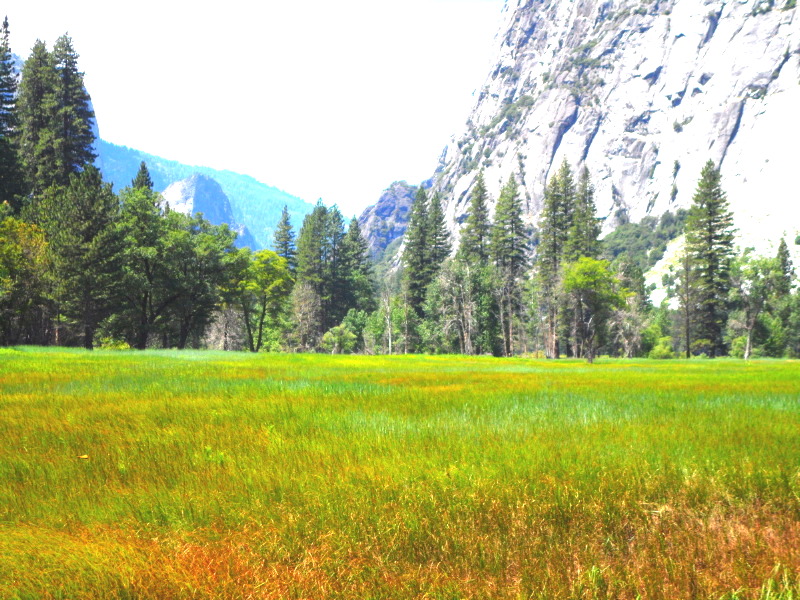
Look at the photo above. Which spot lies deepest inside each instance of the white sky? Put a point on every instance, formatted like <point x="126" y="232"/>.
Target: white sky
<point x="324" y="99"/>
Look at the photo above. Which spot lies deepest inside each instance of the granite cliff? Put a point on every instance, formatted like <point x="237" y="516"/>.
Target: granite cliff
<point x="642" y="92"/>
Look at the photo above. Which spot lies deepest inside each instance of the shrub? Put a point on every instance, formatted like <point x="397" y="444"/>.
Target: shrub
<point x="663" y="349"/>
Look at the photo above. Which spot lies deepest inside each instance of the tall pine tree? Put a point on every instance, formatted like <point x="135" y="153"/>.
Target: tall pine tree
<point x="709" y="241"/>
<point x="508" y="249"/>
<point x="416" y="265"/>
<point x="283" y="240"/>
<point x="142" y="181"/>
<point x="475" y="237"/>
<point x="11" y="184"/>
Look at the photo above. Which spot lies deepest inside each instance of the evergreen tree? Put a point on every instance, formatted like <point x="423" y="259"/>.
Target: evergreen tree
<point x="474" y="245"/>
<point x="417" y="268"/>
<point x="142" y="181"/>
<point x="783" y="285"/>
<point x="283" y="240"/>
<point x="336" y="296"/>
<point x="554" y="229"/>
<point x="358" y="269"/>
<point x="709" y="239"/>
<point x="584" y="229"/>
<point x="74" y="117"/>
<point x="86" y="249"/>
<point x="36" y="106"/>
<point x="11" y="184"/>
<point x="439" y="245"/>
<point x="508" y="249"/>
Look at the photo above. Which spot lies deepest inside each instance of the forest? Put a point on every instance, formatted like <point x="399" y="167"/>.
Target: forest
<point x="84" y="265"/>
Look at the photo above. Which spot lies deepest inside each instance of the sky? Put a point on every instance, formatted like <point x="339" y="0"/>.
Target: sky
<point x="323" y="99"/>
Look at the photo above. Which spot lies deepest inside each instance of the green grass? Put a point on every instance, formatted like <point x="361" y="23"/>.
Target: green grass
<point x="304" y="476"/>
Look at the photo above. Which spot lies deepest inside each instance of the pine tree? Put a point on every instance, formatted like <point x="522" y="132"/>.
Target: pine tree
<point x="783" y="284"/>
<point x="417" y="270"/>
<point x="358" y="269"/>
<point x="709" y="239"/>
<point x="439" y="245"/>
<point x="11" y="184"/>
<point x="508" y="250"/>
<point x="584" y="229"/>
<point x="74" y="117"/>
<point x="36" y="106"/>
<point x="142" y="181"/>
<point x="554" y="228"/>
<point x="283" y="240"/>
<point x="86" y="248"/>
<point x="475" y="237"/>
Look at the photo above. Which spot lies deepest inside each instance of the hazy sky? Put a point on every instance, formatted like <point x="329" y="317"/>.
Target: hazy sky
<point x="324" y="99"/>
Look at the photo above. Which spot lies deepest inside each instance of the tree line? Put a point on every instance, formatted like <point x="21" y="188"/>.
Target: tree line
<point x="83" y="265"/>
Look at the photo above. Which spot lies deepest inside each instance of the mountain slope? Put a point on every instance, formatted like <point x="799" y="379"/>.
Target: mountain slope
<point x="387" y="219"/>
<point x="202" y="194"/>
<point x="643" y="93"/>
<point x="253" y="204"/>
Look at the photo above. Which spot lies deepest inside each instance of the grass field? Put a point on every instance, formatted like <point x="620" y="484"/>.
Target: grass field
<point x="222" y="475"/>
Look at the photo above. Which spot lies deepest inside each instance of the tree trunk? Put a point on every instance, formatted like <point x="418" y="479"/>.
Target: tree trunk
<point x="88" y="337"/>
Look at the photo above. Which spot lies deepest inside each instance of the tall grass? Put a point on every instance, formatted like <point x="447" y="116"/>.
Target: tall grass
<point x="207" y="475"/>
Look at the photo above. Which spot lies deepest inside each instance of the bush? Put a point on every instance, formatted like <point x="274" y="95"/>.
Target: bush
<point x="109" y="343"/>
<point x="663" y="349"/>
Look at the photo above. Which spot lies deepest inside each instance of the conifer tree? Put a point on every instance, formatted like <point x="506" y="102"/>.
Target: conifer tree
<point x="74" y="117"/>
<point x="709" y="239"/>
<point x="283" y="240"/>
<point x="584" y="229"/>
<point x="142" y="181"/>
<point x="439" y="245"/>
<point x="11" y="184"/>
<point x="358" y="269"/>
<point x="417" y="270"/>
<point x="36" y="106"/>
<point x="554" y="227"/>
<point x="86" y="248"/>
<point x="508" y="250"/>
<point x="783" y="285"/>
<point x="475" y="237"/>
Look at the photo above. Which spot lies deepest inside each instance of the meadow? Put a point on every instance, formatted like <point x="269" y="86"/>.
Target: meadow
<point x="225" y="475"/>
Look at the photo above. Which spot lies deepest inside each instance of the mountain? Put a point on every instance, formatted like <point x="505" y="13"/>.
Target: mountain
<point x="642" y="93"/>
<point x="386" y="220"/>
<point x="253" y="204"/>
<point x="201" y="194"/>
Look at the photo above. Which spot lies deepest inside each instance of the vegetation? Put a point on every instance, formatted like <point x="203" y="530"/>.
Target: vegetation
<point x="210" y="475"/>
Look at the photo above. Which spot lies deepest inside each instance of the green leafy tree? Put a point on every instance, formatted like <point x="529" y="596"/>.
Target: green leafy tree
<point x="595" y="291"/>
<point x="263" y="295"/>
<point x="24" y="266"/>
<point x="148" y="270"/>
<point x="339" y="340"/>
<point x="753" y="280"/>
<point x="709" y="240"/>
<point x="200" y="253"/>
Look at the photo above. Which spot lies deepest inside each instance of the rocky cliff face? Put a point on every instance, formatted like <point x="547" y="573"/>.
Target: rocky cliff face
<point x="642" y="92"/>
<point x="201" y="194"/>
<point x="385" y="221"/>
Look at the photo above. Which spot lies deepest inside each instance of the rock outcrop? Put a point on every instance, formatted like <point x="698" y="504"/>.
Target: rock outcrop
<point x="385" y="221"/>
<point x="642" y="92"/>
<point x="201" y="194"/>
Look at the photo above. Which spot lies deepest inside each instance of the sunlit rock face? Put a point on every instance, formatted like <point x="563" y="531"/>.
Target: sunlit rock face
<point x="387" y="219"/>
<point x="642" y="93"/>
<point x="202" y="194"/>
